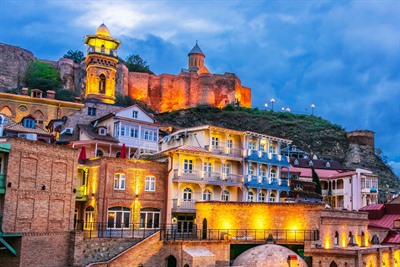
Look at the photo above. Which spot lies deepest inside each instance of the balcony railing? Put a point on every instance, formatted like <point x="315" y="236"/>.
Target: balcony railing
<point x="217" y="177"/>
<point x="242" y="235"/>
<point x="263" y="180"/>
<point x="223" y="150"/>
<point x="182" y="204"/>
<point x="81" y="193"/>
<point x="262" y="156"/>
<point x="107" y="230"/>
<point x="2" y="183"/>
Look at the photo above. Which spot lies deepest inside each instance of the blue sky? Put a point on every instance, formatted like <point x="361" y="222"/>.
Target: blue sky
<point x="342" y="56"/>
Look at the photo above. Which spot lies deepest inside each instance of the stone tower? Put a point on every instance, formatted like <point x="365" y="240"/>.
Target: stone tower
<point x="101" y="66"/>
<point x="196" y="60"/>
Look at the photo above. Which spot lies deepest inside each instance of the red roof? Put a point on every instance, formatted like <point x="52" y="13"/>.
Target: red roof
<point x="387" y="221"/>
<point x="393" y="237"/>
<point x="372" y="207"/>
<point x="322" y="173"/>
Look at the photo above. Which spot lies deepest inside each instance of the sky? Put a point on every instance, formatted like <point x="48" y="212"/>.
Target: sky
<point x="341" y="56"/>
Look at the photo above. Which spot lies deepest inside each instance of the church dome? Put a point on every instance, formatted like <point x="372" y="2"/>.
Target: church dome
<point x="103" y="30"/>
<point x="268" y="255"/>
<point x="196" y="50"/>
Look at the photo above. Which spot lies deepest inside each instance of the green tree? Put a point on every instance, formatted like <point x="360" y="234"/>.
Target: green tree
<point x="77" y="56"/>
<point x="315" y="179"/>
<point x="43" y="76"/>
<point x="65" y="95"/>
<point x="124" y="100"/>
<point x="136" y="64"/>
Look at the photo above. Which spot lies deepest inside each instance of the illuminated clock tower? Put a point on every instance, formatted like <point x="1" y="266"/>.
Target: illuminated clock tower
<point x="101" y="66"/>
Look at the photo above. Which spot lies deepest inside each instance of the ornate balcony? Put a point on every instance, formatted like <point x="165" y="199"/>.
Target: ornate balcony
<point x="209" y="177"/>
<point x="266" y="182"/>
<point x="268" y="158"/>
<point x="223" y="150"/>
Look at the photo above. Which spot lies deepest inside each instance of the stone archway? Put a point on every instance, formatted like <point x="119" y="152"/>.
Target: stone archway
<point x="171" y="261"/>
<point x="333" y="264"/>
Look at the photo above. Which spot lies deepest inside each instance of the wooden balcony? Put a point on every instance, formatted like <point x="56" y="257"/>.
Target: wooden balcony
<point x="209" y="177"/>
<point x="222" y="150"/>
<point x="81" y="193"/>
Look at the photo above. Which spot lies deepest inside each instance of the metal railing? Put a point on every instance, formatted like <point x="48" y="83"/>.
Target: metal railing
<point x="195" y="175"/>
<point x="274" y="235"/>
<point x="121" y="230"/>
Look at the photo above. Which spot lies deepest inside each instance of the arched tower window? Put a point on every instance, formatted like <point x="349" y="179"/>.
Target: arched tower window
<point x="102" y="49"/>
<point x="39" y="117"/>
<point x="102" y="84"/>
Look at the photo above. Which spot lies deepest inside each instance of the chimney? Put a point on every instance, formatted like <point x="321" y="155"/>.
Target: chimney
<point x="51" y="94"/>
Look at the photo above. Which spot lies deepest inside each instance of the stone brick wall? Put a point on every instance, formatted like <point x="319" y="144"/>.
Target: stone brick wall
<point x="102" y="195"/>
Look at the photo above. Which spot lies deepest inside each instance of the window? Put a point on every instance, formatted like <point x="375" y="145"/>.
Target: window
<point x="328" y="165"/>
<point x="150" y="218"/>
<point x="116" y="129"/>
<point x="252" y="145"/>
<point x="207" y="167"/>
<point x="226" y="168"/>
<point x="118" y="217"/>
<point x="134" y="132"/>
<point x="150" y="135"/>
<point x="262" y="172"/>
<point x="92" y="111"/>
<point x="187" y="194"/>
<point x="368" y="183"/>
<point x="29" y="123"/>
<point x="102" y="49"/>
<point x="214" y="142"/>
<point x="99" y="153"/>
<point x="261" y="197"/>
<point x="225" y="195"/>
<point x="206" y="195"/>
<point x="296" y="162"/>
<point x="150" y="183"/>
<point x="119" y="181"/>
<point x="272" y="197"/>
<point x="188" y="166"/>
<point x="39" y="117"/>
<point x="251" y="170"/>
<point x="230" y="143"/>
<point x="89" y="218"/>
<point x="135" y="114"/>
<point x="310" y="163"/>
<point x="250" y="197"/>
<point x="122" y="131"/>
<point x="272" y="149"/>
<point x="273" y="173"/>
<point x="102" y="131"/>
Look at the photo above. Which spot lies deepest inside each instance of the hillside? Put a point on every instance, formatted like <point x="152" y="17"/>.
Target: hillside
<point x="312" y="134"/>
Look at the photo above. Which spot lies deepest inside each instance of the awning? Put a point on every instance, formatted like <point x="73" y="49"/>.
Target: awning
<point x="5" y="147"/>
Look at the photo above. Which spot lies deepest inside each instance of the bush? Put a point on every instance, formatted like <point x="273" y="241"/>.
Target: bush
<point x="43" y="76"/>
<point x="65" y="95"/>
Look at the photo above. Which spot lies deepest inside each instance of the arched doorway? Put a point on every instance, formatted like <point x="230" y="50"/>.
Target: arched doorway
<point x="171" y="261"/>
<point x="333" y="264"/>
<point x="204" y="228"/>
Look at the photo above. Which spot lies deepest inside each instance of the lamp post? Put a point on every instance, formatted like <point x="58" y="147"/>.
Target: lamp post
<point x="312" y="109"/>
<point x="272" y="104"/>
<point x="265" y="106"/>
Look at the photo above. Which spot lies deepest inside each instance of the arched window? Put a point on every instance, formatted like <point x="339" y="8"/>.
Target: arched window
<point x="250" y="196"/>
<point x="39" y="117"/>
<point x="206" y="195"/>
<point x="273" y="173"/>
<point x="336" y="238"/>
<point x="89" y="218"/>
<point x="251" y="170"/>
<point x="150" y="218"/>
<point x="187" y="194"/>
<point x="102" y="49"/>
<point x="225" y="195"/>
<point x="333" y="264"/>
<point x="272" y="197"/>
<point x="99" y="153"/>
<point x="261" y="197"/>
<point x="102" y="84"/>
<point x="118" y="217"/>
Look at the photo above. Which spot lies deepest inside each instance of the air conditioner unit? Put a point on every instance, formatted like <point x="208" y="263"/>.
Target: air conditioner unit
<point x="28" y="136"/>
<point x="68" y="130"/>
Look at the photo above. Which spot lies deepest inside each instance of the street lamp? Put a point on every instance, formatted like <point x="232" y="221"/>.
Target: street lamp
<point x="272" y="104"/>
<point x="312" y="109"/>
<point x="265" y="106"/>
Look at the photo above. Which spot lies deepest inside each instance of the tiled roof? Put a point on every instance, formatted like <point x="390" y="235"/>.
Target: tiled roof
<point x="325" y="174"/>
<point x="89" y="130"/>
<point x="385" y="222"/>
<point x="393" y="238"/>
<point x="318" y="164"/>
<point x="18" y="127"/>
<point x="372" y="207"/>
<point x="196" y="50"/>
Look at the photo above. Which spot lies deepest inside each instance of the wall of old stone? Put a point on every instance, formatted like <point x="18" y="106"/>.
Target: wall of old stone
<point x="14" y="62"/>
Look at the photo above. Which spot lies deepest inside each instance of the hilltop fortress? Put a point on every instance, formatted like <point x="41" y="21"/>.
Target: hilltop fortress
<point x="101" y="77"/>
